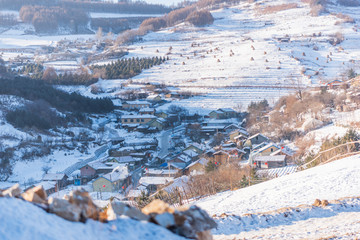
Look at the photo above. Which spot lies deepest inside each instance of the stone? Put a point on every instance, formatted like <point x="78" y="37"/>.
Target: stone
<point x="324" y="203"/>
<point x="158" y="207"/>
<point x="205" y="235"/>
<point x="82" y="200"/>
<point x="35" y="194"/>
<point x="13" y="191"/>
<point x="196" y="221"/>
<point x="317" y="203"/>
<point x="64" y="209"/>
<point x="165" y="220"/>
<point x="117" y="209"/>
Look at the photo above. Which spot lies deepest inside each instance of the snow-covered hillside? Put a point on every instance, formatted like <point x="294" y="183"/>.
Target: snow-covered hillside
<point x="246" y="55"/>
<point x="332" y="181"/>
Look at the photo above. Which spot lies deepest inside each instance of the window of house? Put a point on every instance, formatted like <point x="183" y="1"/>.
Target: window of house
<point x="86" y="168"/>
<point x="271" y="149"/>
<point x="125" y="120"/>
<point x="131" y="120"/>
<point x="142" y="120"/>
<point x="137" y="120"/>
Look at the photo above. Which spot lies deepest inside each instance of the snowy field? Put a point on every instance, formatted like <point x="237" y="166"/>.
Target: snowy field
<point x="332" y="181"/>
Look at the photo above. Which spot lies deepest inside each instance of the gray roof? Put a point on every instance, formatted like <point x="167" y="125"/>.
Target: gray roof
<point x="277" y="158"/>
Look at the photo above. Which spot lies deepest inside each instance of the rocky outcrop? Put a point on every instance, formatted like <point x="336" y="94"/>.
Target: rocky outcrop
<point x="190" y="222"/>
<point x="13" y="191"/>
<point x="36" y="195"/>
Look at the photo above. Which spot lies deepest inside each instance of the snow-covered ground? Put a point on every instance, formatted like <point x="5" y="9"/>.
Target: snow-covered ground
<point x="331" y="181"/>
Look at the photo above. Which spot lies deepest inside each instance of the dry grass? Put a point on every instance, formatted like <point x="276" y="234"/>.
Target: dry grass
<point x="344" y="19"/>
<point x="277" y="8"/>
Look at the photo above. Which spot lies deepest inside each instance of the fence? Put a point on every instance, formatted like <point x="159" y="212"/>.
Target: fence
<point x="332" y="154"/>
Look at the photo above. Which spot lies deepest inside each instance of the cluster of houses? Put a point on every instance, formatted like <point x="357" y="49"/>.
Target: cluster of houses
<point x="114" y="173"/>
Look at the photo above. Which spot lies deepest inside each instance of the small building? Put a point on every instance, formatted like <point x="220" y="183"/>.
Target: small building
<point x="223" y="113"/>
<point x="221" y="157"/>
<point x="114" y="181"/>
<point x="267" y="150"/>
<point x="154" y="98"/>
<point x="158" y="123"/>
<point x="258" y="139"/>
<point x="93" y="169"/>
<point x="147" y="111"/>
<point x="161" y="114"/>
<point x="335" y="84"/>
<point x="135" y="105"/>
<point x="216" y="114"/>
<point x="238" y="132"/>
<point x="59" y="178"/>
<point x="136" y="119"/>
<point x="270" y="161"/>
<point x="153" y="184"/>
<point x="152" y="172"/>
<point x="197" y="167"/>
<point x="195" y="147"/>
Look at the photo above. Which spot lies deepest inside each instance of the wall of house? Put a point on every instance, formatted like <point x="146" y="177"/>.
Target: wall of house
<point x="135" y="106"/>
<point x="102" y="185"/>
<point x="87" y="171"/>
<point x="135" y="120"/>
<point x="222" y="159"/>
<point x="257" y="140"/>
<point x="268" y="151"/>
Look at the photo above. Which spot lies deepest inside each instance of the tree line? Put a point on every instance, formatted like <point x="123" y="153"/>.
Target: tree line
<point x="49" y="75"/>
<point x="33" y="90"/>
<point x="121" y="7"/>
<point x="127" y="68"/>
<point x="49" y="19"/>
<point x="40" y="112"/>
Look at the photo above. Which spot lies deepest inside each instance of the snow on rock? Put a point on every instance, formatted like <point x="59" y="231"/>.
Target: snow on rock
<point x="22" y="219"/>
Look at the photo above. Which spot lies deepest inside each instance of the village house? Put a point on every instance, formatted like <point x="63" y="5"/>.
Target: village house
<point x="147" y="111"/>
<point x="221" y="157"/>
<point x="238" y="134"/>
<point x="269" y="161"/>
<point x="161" y="114"/>
<point x="114" y="181"/>
<point x="131" y="161"/>
<point x="135" y="193"/>
<point x="135" y="105"/>
<point x="152" y="172"/>
<point x="197" y="167"/>
<point x="154" y="98"/>
<point x="257" y="139"/>
<point x="223" y="113"/>
<point x="267" y="150"/>
<point x="335" y="84"/>
<point x="195" y="147"/>
<point x="159" y="124"/>
<point x="153" y="184"/>
<point x="59" y="178"/>
<point x="93" y="169"/>
<point x="136" y="119"/>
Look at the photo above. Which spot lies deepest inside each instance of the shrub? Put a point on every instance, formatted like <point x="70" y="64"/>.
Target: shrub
<point x="200" y="18"/>
<point x="278" y="8"/>
<point x="153" y="24"/>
